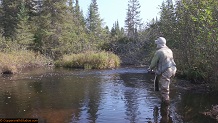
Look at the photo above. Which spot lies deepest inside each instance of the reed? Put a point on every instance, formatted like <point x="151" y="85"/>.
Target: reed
<point x="90" y="60"/>
<point x="14" y="61"/>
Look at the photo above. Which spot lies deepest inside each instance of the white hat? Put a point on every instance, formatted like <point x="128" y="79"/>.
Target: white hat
<point x="160" y="40"/>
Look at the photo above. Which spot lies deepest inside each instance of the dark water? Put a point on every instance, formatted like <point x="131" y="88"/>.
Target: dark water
<point x="124" y="95"/>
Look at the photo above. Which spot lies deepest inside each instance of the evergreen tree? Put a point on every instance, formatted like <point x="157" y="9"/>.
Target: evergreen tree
<point x="94" y="22"/>
<point x="116" y="30"/>
<point x="133" y="20"/>
<point x="34" y="7"/>
<point x="78" y="15"/>
<point x="80" y="28"/>
<point x="74" y="37"/>
<point x="107" y="30"/>
<point x="24" y="37"/>
<point x="94" y="25"/>
<point x="113" y="32"/>
<point x="50" y="26"/>
<point x="168" y="21"/>
<point x="8" y="18"/>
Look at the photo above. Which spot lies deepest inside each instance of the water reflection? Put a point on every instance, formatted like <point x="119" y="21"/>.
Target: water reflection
<point x="89" y="96"/>
<point x="162" y="114"/>
<point x="131" y="96"/>
<point x="165" y="114"/>
<point x="193" y="103"/>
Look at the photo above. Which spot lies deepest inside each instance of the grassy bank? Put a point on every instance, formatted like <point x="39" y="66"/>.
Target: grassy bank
<point x="15" y="61"/>
<point x="89" y="60"/>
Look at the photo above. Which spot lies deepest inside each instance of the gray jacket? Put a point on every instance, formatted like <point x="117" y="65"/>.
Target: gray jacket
<point x="162" y="60"/>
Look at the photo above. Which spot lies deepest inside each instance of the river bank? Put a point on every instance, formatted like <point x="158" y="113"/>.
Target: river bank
<point x="199" y="95"/>
<point x="17" y="61"/>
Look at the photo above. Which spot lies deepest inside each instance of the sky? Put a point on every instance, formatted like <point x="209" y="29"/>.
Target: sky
<point x="113" y="10"/>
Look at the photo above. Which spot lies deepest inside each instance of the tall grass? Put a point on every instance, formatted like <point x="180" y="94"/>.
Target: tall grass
<point x="89" y="60"/>
<point x="15" y="61"/>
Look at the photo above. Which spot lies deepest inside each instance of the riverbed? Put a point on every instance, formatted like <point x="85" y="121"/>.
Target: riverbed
<point x="123" y="95"/>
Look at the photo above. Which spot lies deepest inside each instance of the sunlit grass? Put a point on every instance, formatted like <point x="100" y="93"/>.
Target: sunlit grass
<point x="89" y="60"/>
<point x="15" y="61"/>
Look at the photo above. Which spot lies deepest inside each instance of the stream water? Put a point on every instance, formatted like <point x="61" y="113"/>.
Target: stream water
<point x="123" y="95"/>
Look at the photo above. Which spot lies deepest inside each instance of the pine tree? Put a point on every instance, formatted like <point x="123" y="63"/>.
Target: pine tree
<point x="50" y="26"/>
<point x="8" y="18"/>
<point x="133" y="20"/>
<point x="168" y="21"/>
<point x="78" y="15"/>
<point x="24" y="37"/>
<point x="34" y="7"/>
<point x="116" y="31"/>
<point x="74" y="38"/>
<point x="94" y="25"/>
<point x="80" y="27"/>
<point x="94" y="22"/>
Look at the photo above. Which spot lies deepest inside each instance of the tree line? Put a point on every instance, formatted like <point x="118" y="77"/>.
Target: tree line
<point x="51" y="27"/>
<point x="58" y="27"/>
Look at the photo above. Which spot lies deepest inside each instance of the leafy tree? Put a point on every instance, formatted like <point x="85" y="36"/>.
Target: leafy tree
<point x="190" y="28"/>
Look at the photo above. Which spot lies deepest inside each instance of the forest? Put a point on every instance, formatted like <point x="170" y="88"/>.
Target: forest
<point x="46" y="31"/>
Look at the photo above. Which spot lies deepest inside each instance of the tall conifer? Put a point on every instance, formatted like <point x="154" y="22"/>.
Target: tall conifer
<point x="94" y="25"/>
<point x="24" y="37"/>
<point x="8" y="18"/>
<point x="133" y="20"/>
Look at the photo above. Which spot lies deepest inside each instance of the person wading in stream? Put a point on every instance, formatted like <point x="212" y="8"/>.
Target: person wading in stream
<point x="165" y="68"/>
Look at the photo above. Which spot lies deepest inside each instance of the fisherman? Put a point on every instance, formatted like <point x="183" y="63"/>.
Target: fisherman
<point x="164" y="66"/>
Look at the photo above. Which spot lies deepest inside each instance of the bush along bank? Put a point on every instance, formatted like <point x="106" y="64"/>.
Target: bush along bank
<point x="13" y="62"/>
<point x="89" y="60"/>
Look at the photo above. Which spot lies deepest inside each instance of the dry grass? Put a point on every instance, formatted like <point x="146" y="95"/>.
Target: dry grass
<point x="89" y="60"/>
<point x="15" y="61"/>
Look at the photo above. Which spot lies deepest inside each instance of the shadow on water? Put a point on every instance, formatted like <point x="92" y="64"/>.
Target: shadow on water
<point x="193" y="104"/>
<point x="123" y="95"/>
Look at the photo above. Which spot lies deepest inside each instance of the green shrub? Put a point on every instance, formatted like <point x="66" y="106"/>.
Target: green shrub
<point x="89" y="60"/>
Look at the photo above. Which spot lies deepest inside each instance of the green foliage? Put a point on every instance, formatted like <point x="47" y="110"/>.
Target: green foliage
<point x="97" y="34"/>
<point x="54" y="28"/>
<point x="51" y="27"/>
<point x="8" y="18"/>
<point x="194" y="74"/>
<point x="116" y="31"/>
<point x="24" y="36"/>
<point x="133" y="20"/>
<point x="190" y="28"/>
<point x="93" y="20"/>
<point x="89" y="60"/>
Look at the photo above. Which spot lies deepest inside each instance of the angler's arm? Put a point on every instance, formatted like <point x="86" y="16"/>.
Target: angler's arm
<point x="154" y="61"/>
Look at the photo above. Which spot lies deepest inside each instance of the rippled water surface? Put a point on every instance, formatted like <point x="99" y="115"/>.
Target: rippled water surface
<point x="123" y="95"/>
